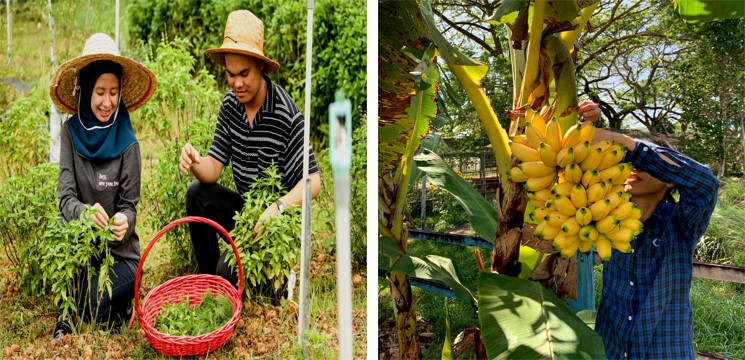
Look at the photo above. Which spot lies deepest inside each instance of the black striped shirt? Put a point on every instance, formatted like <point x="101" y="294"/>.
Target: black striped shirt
<point x="276" y="135"/>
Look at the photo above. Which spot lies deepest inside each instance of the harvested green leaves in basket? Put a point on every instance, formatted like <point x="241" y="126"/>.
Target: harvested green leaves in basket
<point x="181" y="319"/>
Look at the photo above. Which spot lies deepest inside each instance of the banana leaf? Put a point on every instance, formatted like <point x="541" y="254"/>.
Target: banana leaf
<point x="696" y="11"/>
<point x="511" y="309"/>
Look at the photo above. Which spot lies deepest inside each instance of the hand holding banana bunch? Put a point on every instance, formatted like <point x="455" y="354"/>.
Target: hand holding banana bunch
<point x="576" y="187"/>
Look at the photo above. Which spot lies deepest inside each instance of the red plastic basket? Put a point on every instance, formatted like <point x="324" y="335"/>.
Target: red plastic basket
<point x="193" y="286"/>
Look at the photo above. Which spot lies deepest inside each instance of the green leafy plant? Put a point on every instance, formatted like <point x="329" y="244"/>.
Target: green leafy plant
<point x="25" y="201"/>
<point x="68" y="252"/>
<point x="180" y="318"/>
<point x="269" y="254"/>
<point x="25" y="140"/>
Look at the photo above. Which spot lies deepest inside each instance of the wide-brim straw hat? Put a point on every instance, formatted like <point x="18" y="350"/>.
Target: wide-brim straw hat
<point x="138" y="82"/>
<point x="244" y="35"/>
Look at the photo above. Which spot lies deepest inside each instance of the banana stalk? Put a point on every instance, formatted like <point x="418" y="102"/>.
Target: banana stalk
<point x="565" y="82"/>
<point x="534" y="50"/>
<point x="470" y="78"/>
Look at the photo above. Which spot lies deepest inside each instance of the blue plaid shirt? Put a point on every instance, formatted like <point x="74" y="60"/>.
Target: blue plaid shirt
<point x="645" y="308"/>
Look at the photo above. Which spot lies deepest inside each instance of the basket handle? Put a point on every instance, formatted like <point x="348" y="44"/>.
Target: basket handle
<point x="188" y="219"/>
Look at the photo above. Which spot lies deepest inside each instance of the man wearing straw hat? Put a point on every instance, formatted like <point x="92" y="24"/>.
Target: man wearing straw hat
<point x="100" y="164"/>
<point x="258" y="124"/>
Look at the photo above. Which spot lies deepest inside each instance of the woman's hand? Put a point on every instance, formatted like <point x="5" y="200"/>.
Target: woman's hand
<point x="120" y="224"/>
<point x="100" y="217"/>
<point x="589" y="111"/>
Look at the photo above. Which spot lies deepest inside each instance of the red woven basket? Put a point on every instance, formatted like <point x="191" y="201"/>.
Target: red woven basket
<point x="193" y="286"/>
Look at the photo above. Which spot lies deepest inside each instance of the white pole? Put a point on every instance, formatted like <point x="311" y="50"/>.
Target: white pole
<point x="305" y="241"/>
<point x="117" y="38"/>
<point x="340" y="144"/>
<point x="10" y="32"/>
<point x="55" y="118"/>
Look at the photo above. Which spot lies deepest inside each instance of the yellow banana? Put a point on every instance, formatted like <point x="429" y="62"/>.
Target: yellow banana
<point x="564" y="205"/>
<point x="587" y="131"/>
<point x="536" y="119"/>
<point x="610" y="172"/>
<point x="564" y="188"/>
<point x="523" y="152"/>
<point x="615" y="199"/>
<point x="621" y="235"/>
<point x="571" y="248"/>
<point x="596" y="192"/>
<point x="622" y="246"/>
<point x="520" y="139"/>
<point x="573" y="173"/>
<point x="600" y="209"/>
<point x="535" y="138"/>
<point x="603" y="245"/>
<point x="625" y="172"/>
<point x="540" y="195"/>
<point x="572" y="137"/>
<point x="589" y="178"/>
<point x="546" y="232"/>
<point x="553" y="135"/>
<point x="616" y="188"/>
<point x="609" y="188"/>
<point x="547" y="154"/>
<point x="583" y="216"/>
<point x="588" y="233"/>
<point x="561" y="241"/>
<point x="540" y="183"/>
<point x="616" y="146"/>
<point x="592" y="160"/>
<point x="578" y="195"/>
<point x="635" y="213"/>
<point x="571" y="226"/>
<point x="623" y="210"/>
<point x="536" y="168"/>
<point x="632" y="224"/>
<point x="517" y="175"/>
<point x="584" y="245"/>
<point x="610" y="158"/>
<point x="580" y="151"/>
<point x="538" y="214"/>
<point x="608" y="224"/>
<point x="603" y="145"/>
<point x="556" y="219"/>
<point x="565" y="157"/>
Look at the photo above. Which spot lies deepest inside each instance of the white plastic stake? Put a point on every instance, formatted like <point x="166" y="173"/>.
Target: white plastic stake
<point x="340" y="143"/>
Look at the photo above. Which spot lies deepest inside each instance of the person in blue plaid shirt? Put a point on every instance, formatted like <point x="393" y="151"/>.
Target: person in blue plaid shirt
<point x="645" y="308"/>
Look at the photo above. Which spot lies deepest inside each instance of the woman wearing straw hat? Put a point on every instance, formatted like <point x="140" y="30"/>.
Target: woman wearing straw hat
<point x="100" y="161"/>
<point x="258" y="124"/>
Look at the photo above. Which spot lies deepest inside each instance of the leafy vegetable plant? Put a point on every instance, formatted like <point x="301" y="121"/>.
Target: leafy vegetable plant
<point x="268" y="255"/>
<point x="181" y="319"/>
<point x="69" y="251"/>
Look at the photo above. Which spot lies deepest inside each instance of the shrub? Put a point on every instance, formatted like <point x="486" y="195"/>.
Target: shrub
<point x="268" y="255"/>
<point x="25" y="140"/>
<point x="67" y="254"/>
<point x="339" y="43"/>
<point x="25" y="203"/>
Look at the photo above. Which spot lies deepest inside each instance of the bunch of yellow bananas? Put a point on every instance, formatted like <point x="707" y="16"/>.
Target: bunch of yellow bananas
<point x="577" y="189"/>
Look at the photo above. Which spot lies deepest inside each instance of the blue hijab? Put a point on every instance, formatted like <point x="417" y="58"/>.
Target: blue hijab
<point x="91" y="138"/>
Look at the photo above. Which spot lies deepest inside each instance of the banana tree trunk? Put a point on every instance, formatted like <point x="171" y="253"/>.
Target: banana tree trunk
<point x="403" y="302"/>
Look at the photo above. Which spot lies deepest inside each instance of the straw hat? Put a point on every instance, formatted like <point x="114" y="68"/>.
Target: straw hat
<point x="138" y="82"/>
<point x="244" y="35"/>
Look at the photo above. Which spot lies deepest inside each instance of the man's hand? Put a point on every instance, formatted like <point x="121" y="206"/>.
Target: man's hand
<point x="189" y="156"/>
<point x="100" y="217"/>
<point x="120" y="224"/>
<point x="271" y="212"/>
<point x="589" y="111"/>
